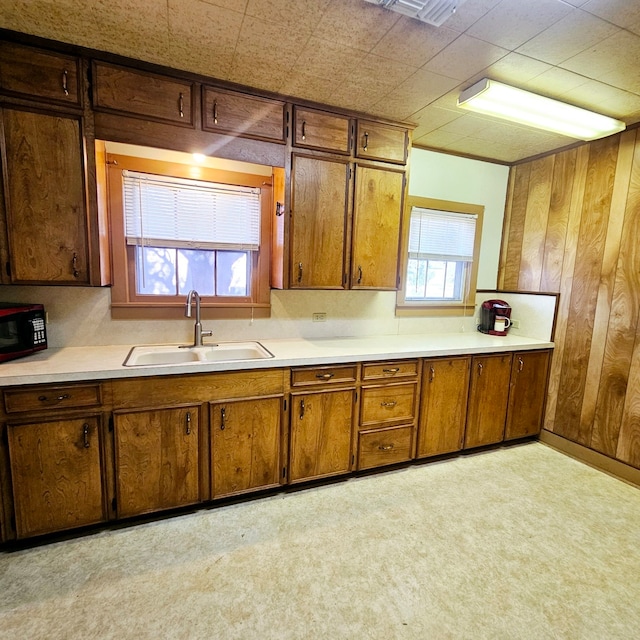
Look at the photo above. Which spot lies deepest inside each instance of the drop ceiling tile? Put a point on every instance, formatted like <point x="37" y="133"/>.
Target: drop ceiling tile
<point x="372" y="68"/>
<point x="614" y="59"/>
<point x="603" y="98"/>
<point x="233" y="5"/>
<point x="469" y="13"/>
<point x="258" y="74"/>
<point x="624" y="13"/>
<point x="355" y="23"/>
<point x="435" y="139"/>
<point x="413" y="42"/>
<point x="464" y="57"/>
<point x="290" y="14"/>
<point x="468" y="125"/>
<point x="326" y="59"/>
<point x="554" y="82"/>
<point x="510" y="24"/>
<point x="513" y="69"/>
<point x="568" y="37"/>
<point x="308" y="87"/>
<point x="430" y="118"/>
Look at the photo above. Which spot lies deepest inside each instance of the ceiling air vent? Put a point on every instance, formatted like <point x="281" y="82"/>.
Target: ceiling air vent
<point x="433" y="12"/>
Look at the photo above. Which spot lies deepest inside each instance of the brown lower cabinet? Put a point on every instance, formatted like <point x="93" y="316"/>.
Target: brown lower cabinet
<point x="245" y="445"/>
<point x="78" y="454"/>
<point x="56" y="474"/>
<point x="488" y="398"/>
<point x="156" y="459"/>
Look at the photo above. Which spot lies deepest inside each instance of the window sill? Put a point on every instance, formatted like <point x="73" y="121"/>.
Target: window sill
<point x="175" y="311"/>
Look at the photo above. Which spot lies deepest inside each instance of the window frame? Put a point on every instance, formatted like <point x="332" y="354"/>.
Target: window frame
<point x="127" y="304"/>
<point x="466" y="306"/>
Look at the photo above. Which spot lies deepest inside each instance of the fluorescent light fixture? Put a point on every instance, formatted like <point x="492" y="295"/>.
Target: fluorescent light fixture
<point x="433" y="12"/>
<point x="502" y="101"/>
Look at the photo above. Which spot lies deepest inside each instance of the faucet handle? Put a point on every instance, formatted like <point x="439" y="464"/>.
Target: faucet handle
<point x="206" y="334"/>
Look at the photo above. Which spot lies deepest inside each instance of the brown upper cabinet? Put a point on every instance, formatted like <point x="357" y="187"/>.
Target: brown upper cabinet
<point x="379" y="141"/>
<point x="240" y="114"/>
<point x="314" y="129"/>
<point x="25" y="71"/>
<point x="141" y="94"/>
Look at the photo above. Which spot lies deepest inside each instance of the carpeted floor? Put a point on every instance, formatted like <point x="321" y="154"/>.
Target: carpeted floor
<point x="521" y="542"/>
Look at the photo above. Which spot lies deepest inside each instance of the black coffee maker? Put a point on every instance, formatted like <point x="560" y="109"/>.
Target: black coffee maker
<point x="495" y="317"/>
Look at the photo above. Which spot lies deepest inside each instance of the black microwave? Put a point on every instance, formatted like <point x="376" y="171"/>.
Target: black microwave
<point x="22" y="330"/>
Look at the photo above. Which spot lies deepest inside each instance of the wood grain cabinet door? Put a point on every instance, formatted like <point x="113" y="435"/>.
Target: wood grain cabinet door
<point x="156" y="455"/>
<point x="56" y="475"/>
<point x="527" y="396"/>
<point x="242" y="115"/>
<point x="45" y="197"/>
<point x="377" y="210"/>
<point x="443" y="405"/>
<point x="316" y="129"/>
<point x="321" y="434"/>
<point x="245" y="450"/>
<point x="488" y="398"/>
<point x="319" y="201"/>
<point x="379" y="141"/>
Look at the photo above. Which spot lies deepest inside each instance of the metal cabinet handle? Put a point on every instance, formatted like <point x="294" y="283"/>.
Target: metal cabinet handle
<point x="215" y="112"/>
<point x="432" y="374"/>
<point x="365" y="146"/>
<point x="385" y="447"/>
<point x="299" y="271"/>
<point x="480" y="368"/>
<point x="359" y="274"/>
<point x="304" y="130"/>
<point x="384" y="403"/>
<point x="65" y="86"/>
<point x="85" y="435"/>
<point x="64" y="396"/>
<point x="520" y="364"/>
<point x="324" y="376"/>
<point x="74" y="265"/>
<point x="301" y="409"/>
<point x="392" y="370"/>
<point x="181" y="105"/>
<point x="223" y="417"/>
<point x="188" y="423"/>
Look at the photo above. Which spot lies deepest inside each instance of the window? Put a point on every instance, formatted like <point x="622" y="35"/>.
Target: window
<point x="440" y="255"/>
<point x="172" y="233"/>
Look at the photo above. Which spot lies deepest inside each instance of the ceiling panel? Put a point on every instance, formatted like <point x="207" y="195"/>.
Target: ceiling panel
<point x="355" y="55"/>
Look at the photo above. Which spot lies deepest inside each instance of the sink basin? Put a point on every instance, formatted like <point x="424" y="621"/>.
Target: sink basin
<point x="155" y="355"/>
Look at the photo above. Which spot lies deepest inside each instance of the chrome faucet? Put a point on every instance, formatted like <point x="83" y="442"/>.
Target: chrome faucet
<point x="198" y="333"/>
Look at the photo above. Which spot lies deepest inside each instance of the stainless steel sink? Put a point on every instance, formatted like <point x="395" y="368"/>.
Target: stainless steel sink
<point x="156" y="355"/>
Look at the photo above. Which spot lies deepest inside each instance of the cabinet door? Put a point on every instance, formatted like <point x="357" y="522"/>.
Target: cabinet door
<point x="25" y="71"/>
<point x="378" y="141"/>
<point x="321" y="431"/>
<point x="315" y="129"/>
<point x="140" y="94"/>
<point x="488" y="397"/>
<point x="526" y="398"/>
<point x="156" y="459"/>
<point x="245" y="452"/>
<point x="319" y="201"/>
<point x="56" y="475"/>
<point x="242" y="115"/>
<point x="377" y="211"/>
<point x="45" y="198"/>
<point x="443" y="406"/>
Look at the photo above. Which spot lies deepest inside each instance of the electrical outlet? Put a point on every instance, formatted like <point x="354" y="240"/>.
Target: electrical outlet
<point x="515" y="324"/>
<point x="319" y="317"/>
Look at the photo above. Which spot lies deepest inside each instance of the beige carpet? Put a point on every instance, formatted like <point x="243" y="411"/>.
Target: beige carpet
<point x="521" y="542"/>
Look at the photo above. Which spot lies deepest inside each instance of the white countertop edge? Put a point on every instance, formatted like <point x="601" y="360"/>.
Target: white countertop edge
<point x="71" y="364"/>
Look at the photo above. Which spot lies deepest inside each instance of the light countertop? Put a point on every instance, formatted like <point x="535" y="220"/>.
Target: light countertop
<point x="104" y="362"/>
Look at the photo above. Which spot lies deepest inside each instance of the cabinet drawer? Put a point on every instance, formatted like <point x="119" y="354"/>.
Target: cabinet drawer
<point x="386" y="370"/>
<point x="51" y="397"/>
<point x="144" y="95"/>
<point x="314" y="129"/>
<point x="323" y="375"/>
<point x="242" y="115"/>
<point x="33" y="72"/>
<point x="388" y="403"/>
<point x="384" y="446"/>
<point x="378" y="141"/>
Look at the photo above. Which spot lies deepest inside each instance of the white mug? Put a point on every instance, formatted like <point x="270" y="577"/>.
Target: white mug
<point x="502" y="323"/>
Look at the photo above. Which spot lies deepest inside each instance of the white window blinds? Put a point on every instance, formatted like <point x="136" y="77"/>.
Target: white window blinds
<point x="441" y="235"/>
<point x="175" y="212"/>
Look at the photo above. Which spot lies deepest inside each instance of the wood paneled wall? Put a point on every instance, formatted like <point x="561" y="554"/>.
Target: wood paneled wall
<point x="572" y="226"/>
